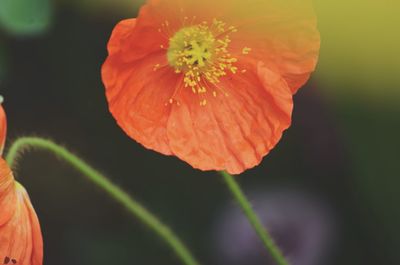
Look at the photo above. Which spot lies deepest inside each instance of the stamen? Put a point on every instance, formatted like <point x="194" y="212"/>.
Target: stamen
<point x="156" y="67"/>
<point x="246" y="50"/>
<point x="201" y="53"/>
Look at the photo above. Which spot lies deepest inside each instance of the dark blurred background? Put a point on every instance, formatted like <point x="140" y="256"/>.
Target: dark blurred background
<point x="329" y="192"/>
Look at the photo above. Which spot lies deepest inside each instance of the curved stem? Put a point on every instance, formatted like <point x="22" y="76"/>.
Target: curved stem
<point x="253" y="219"/>
<point x="135" y="208"/>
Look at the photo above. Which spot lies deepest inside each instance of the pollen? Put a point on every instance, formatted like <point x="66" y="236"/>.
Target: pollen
<point x="246" y="50"/>
<point x="201" y="53"/>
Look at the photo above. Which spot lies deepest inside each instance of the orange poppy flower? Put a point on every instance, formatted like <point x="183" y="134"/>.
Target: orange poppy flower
<point x="210" y="81"/>
<point x="20" y="236"/>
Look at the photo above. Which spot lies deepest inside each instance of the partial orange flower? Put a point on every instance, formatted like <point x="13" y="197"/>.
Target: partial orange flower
<point x="20" y="235"/>
<point x="210" y="81"/>
<point x="3" y="128"/>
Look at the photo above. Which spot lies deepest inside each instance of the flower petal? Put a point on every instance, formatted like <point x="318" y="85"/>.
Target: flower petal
<point x="3" y="128"/>
<point x="232" y="132"/>
<point x="134" y="39"/>
<point x="20" y="234"/>
<point x="138" y="96"/>
<point x="8" y="197"/>
<point x="281" y="33"/>
<point x="119" y="35"/>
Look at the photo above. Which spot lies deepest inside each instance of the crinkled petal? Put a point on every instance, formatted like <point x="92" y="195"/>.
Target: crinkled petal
<point x="236" y="131"/>
<point x="20" y="234"/>
<point x="281" y="33"/>
<point x="134" y="39"/>
<point x="120" y="34"/>
<point x="138" y="97"/>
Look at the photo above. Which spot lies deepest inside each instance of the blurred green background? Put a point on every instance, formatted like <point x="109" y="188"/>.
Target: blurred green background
<point x="343" y="147"/>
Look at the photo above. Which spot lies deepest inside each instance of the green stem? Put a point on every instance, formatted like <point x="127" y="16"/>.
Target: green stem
<point x="135" y="208"/>
<point x="253" y="219"/>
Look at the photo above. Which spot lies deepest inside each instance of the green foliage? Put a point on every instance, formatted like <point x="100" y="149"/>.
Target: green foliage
<point x="25" y="17"/>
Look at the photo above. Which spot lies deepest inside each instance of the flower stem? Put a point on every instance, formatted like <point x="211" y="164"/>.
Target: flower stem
<point x="253" y="219"/>
<point x="135" y="208"/>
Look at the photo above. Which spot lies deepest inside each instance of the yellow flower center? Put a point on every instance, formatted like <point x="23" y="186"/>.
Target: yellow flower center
<point x="201" y="53"/>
